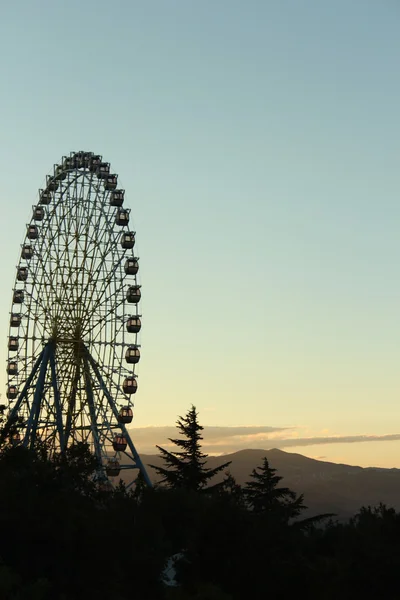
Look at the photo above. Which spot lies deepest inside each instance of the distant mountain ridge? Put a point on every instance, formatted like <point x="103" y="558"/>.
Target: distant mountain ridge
<point x="327" y="487"/>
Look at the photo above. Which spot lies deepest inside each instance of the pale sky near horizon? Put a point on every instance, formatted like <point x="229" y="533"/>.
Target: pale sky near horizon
<point x="258" y="143"/>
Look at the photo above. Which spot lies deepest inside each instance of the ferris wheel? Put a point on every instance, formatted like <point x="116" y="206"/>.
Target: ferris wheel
<point x="74" y="328"/>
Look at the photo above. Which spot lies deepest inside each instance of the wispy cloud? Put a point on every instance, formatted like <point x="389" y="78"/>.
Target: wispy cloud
<point x="338" y="439"/>
<point x="220" y="440"/>
<point x="215" y="439"/>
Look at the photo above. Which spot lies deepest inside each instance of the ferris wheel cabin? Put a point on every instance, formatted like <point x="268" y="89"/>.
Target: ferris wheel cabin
<point x="133" y="294"/>
<point x="15" y="320"/>
<point x="131" y="266"/>
<point x="133" y="325"/>
<point x="110" y="182"/>
<point x="125" y="415"/>
<point x="22" y="274"/>
<point x="52" y="184"/>
<point x="60" y="174"/>
<point x="119" y="443"/>
<point x="117" y="198"/>
<point x="45" y="197"/>
<point x="12" y="368"/>
<point x="12" y="392"/>
<point x="13" y="343"/>
<point x="122" y="217"/>
<point x="32" y="233"/>
<point x="38" y="213"/>
<point x="18" y="296"/>
<point x="113" y="468"/>
<point x="132" y="355"/>
<point x="94" y="163"/>
<point x="27" y="252"/>
<point x="103" y="170"/>
<point x="130" y="385"/>
<point x="128" y="240"/>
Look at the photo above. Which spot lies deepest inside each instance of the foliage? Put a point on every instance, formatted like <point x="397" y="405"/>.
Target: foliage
<point x="264" y="496"/>
<point x="186" y="468"/>
<point x="63" y="538"/>
<point x="8" y="428"/>
<point x="231" y="489"/>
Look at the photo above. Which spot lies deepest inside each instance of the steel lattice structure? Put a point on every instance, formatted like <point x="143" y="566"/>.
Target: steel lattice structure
<point x="73" y="343"/>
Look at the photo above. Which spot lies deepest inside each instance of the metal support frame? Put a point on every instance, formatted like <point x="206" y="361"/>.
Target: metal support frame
<point x="37" y="398"/>
<point x="90" y="370"/>
<point x="26" y="386"/>
<point x="111" y="402"/>
<point x="71" y="407"/>
<point x="57" y="400"/>
<point x="92" y="410"/>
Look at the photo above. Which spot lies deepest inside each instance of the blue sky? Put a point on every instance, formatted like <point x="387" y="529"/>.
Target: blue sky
<point x="259" y="144"/>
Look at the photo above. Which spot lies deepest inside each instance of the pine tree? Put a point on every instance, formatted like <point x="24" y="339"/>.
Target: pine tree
<point x="140" y="487"/>
<point x="264" y="496"/>
<point x="186" y="468"/>
<point x="8" y="428"/>
<point x="232" y="488"/>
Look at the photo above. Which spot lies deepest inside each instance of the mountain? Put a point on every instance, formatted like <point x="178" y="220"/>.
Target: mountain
<point x="327" y="487"/>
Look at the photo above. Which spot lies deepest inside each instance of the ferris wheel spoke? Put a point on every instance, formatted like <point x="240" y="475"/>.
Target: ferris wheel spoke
<point x="71" y="400"/>
<point x="100" y="256"/>
<point x="103" y="321"/>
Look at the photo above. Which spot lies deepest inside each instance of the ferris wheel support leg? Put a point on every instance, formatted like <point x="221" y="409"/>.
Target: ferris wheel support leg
<point x="28" y="382"/>
<point x="92" y="410"/>
<point x="111" y="402"/>
<point x="56" y="396"/>
<point x="35" y="409"/>
<point x="71" y="408"/>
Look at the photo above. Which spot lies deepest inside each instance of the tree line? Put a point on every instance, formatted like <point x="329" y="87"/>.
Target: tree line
<point x="64" y="537"/>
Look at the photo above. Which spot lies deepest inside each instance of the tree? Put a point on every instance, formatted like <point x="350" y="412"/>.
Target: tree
<point x="264" y="496"/>
<point x="232" y="489"/>
<point x="8" y="428"/>
<point x="186" y="468"/>
<point x="75" y="530"/>
<point x="140" y="487"/>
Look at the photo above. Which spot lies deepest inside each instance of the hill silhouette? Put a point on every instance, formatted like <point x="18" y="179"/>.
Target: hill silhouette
<point x="327" y="487"/>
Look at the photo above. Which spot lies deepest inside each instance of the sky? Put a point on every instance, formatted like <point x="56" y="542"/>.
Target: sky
<point x="258" y="143"/>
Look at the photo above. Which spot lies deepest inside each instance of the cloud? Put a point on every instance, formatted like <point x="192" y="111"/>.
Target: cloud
<point x="221" y="440"/>
<point x="215" y="439"/>
<point x="338" y="439"/>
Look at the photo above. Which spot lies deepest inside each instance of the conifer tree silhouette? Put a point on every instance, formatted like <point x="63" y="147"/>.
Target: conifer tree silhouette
<point x="186" y="468"/>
